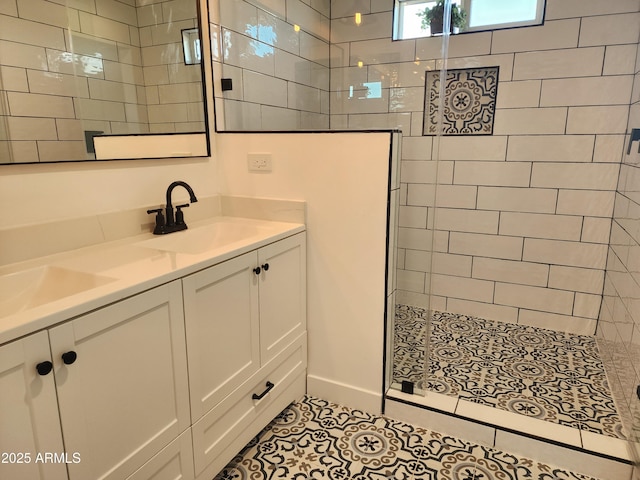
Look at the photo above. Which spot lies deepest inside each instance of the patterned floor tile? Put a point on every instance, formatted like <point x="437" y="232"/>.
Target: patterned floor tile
<point x="315" y="439"/>
<point x="553" y="376"/>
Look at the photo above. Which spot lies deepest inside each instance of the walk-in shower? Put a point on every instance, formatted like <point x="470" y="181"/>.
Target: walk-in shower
<point x="515" y="283"/>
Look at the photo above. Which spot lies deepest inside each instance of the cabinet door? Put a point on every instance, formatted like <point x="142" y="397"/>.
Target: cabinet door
<point x="221" y="318"/>
<point x="125" y="397"/>
<point x="283" y="294"/>
<point x="175" y="462"/>
<point x="29" y="423"/>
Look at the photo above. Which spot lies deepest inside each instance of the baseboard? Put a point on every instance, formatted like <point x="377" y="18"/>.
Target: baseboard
<point x="343" y="394"/>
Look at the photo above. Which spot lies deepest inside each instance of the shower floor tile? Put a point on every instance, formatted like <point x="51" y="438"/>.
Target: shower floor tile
<point x="547" y="375"/>
<point x="316" y="439"/>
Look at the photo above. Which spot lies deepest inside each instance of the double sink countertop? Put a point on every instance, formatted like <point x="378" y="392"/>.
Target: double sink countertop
<point x="39" y="293"/>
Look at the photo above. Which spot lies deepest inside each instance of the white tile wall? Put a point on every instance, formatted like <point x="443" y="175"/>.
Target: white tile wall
<point x="619" y="318"/>
<point x="580" y="62"/>
<point x="552" y="35"/>
<point x="524" y="273"/>
<point x="551" y="148"/>
<point x="537" y="225"/>
<point x="610" y="29"/>
<point x="277" y="55"/>
<point x="535" y="200"/>
<point x="530" y="121"/>
<point x="492" y="173"/>
<point x="611" y="90"/>
<point x="546" y="178"/>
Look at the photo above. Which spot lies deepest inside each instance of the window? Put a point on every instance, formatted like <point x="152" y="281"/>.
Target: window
<point x="411" y="20"/>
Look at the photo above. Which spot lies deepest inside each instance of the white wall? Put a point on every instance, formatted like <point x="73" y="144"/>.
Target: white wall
<point x="42" y="193"/>
<point x="343" y="177"/>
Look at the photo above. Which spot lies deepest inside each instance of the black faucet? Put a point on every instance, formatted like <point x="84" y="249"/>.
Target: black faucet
<point x="172" y="224"/>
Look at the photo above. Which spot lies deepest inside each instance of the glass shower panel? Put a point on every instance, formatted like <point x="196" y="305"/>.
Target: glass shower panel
<point x="515" y="284"/>
<point x="417" y="235"/>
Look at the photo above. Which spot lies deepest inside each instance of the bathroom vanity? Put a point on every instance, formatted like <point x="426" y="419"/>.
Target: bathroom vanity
<point x="177" y="352"/>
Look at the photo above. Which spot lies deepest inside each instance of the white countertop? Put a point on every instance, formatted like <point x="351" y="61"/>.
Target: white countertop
<point x="131" y="268"/>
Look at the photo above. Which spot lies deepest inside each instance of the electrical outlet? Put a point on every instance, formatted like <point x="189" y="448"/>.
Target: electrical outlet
<point x="259" y="162"/>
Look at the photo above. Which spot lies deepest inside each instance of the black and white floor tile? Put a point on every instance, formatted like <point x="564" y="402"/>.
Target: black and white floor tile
<point x="552" y="376"/>
<point x="316" y="439"/>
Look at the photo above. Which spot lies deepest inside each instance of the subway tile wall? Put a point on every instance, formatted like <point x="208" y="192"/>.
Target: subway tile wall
<point x="522" y="218"/>
<point x="619" y="322"/>
<point x="276" y="53"/>
<point x="102" y="65"/>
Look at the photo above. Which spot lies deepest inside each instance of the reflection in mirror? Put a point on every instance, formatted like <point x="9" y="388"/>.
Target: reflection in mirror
<point x="271" y="65"/>
<point x="191" y="46"/>
<point x="72" y="72"/>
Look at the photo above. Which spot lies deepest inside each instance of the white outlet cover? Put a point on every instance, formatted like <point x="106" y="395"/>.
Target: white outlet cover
<point x="259" y="162"/>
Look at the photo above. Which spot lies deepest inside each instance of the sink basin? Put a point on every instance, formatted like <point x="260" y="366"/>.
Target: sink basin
<point x="203" y="239"/>
<point x="31" y="288"/>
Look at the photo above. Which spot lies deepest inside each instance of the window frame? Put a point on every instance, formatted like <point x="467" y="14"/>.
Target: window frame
<point x="398" y="18"/>
<point x="538" y="20"/>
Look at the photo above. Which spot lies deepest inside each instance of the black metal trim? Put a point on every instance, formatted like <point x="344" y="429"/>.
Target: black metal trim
<point x="385" y="319"/>
<point x="366" y="130"/>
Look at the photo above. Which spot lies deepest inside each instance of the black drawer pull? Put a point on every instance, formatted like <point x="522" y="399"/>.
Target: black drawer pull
<point x="257" y="270"/>
<point x="44" y="368"/>
<point x="265" y="267"/>
<point x="269" y="385"/>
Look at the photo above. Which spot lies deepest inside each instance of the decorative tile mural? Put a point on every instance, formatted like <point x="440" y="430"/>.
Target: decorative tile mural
<point x="469" y="105"/>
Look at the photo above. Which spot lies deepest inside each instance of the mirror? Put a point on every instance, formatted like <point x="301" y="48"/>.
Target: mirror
<point x="100" y="80"/>
<point x="270" y="65"/>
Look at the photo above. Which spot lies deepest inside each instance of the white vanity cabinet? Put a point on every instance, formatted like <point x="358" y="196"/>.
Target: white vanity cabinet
<point x="169" y="383"/>
<point x="121" y="383"/>
<point x="29" y="422"/>
<point x="245" y="323"/>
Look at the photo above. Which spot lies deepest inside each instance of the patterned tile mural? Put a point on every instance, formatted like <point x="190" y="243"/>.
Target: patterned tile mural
<point x="469" y="101"/>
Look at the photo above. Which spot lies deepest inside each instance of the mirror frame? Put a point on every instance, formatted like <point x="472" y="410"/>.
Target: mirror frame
<point x="149" y="146"/>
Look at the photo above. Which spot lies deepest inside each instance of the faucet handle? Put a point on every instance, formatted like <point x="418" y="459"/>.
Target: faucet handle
<point x="159" y="220"/>
<point x="180" y="214"/>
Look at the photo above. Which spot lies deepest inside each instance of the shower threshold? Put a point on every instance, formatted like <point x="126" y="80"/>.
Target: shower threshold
<point x="519" y="380"/>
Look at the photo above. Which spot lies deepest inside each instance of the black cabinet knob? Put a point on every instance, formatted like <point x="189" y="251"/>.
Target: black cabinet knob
<point x="265" y="267"/>
<point x="44" y="368"/>
<point x="69" y="357"/>
<point x="257" y="270"/>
